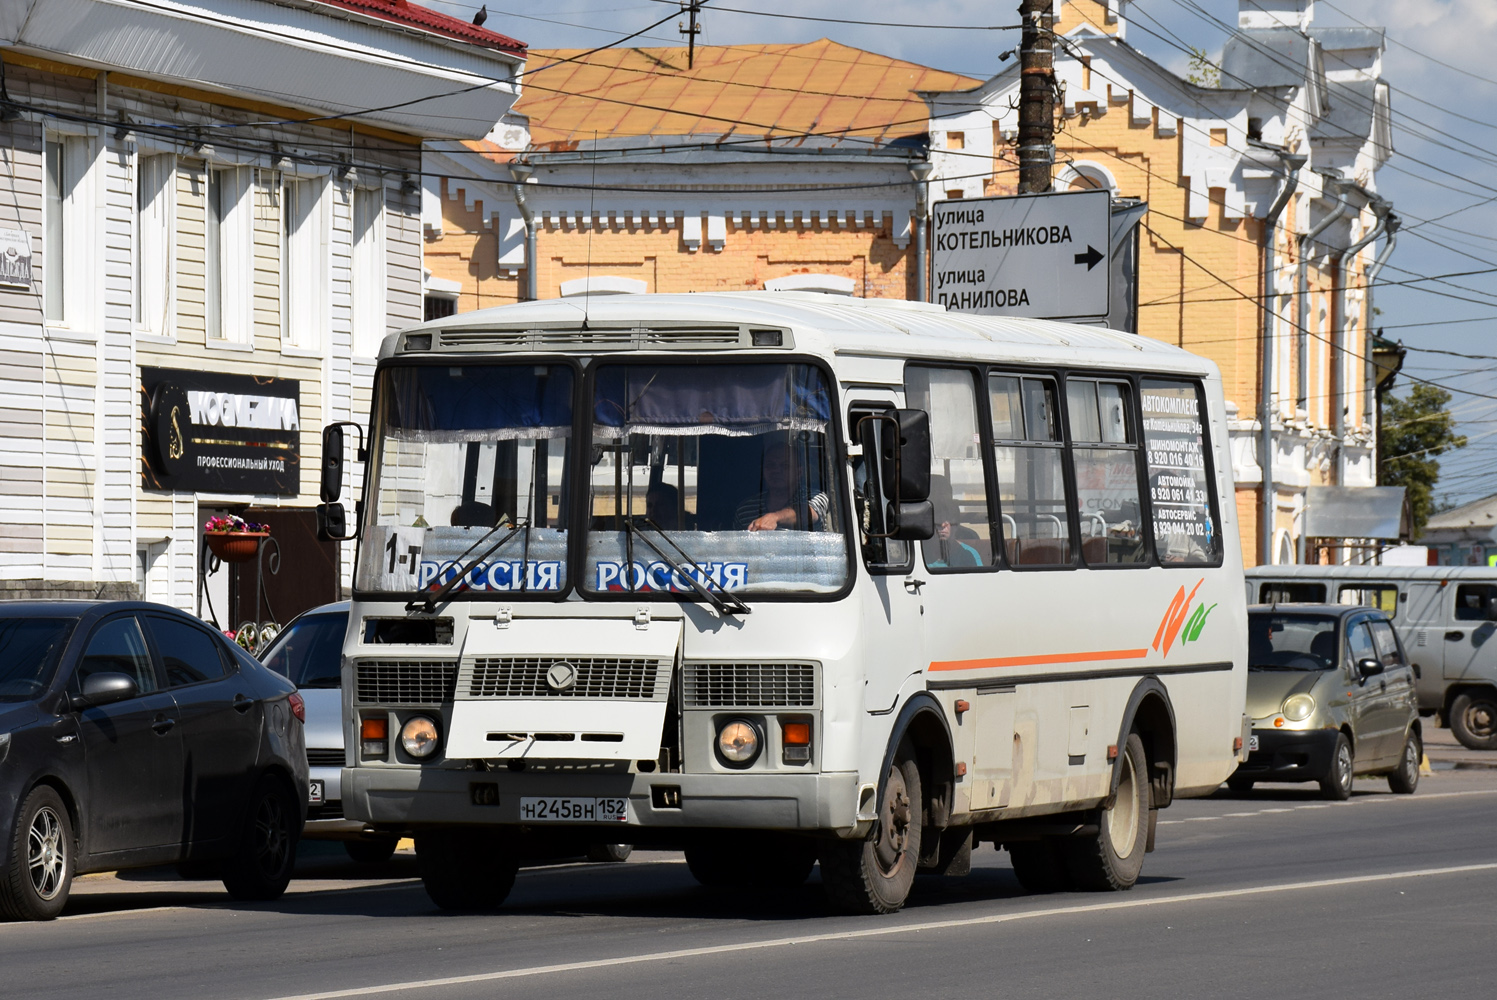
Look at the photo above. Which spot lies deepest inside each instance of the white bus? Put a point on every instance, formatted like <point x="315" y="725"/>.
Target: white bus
<point x="776" y="578"/>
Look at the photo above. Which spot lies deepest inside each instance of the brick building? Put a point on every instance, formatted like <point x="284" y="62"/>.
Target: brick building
<point x="756" y="166"/>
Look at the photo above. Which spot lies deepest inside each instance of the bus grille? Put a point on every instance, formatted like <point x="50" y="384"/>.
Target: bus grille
<point x="322" y="757"/>
<point x="595" y="677"/>
<point x="405" y="682"/>
<point x="750" y="685"/>
<point x="594" y="339"/>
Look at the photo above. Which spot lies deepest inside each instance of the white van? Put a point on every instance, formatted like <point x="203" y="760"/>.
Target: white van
<point x="1446" y="617"/>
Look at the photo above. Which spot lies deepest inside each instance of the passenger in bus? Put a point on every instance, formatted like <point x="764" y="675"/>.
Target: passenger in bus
<point x="783" y="502"/>
<point x="473" y="514"/>
<point x="663" y="506"/>
<point x="949" y="549"/>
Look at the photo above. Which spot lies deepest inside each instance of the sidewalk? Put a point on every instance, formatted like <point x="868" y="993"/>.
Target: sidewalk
<point x="1443" y="753"/>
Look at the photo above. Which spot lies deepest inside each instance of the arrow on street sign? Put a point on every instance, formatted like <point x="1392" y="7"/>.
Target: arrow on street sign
<point x="1091" y="258"/>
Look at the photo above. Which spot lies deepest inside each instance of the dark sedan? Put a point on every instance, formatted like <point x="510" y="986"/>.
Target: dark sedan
<point x="132" y="734"/>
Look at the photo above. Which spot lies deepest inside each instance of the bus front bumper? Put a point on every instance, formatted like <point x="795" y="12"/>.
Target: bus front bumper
<point x="409" y="798"/>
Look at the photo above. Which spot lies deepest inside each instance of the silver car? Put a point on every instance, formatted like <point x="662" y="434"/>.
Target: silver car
<point x="309" y="651"/>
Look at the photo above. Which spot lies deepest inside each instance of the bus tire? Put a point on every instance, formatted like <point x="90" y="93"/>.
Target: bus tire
<point x="466" y="870"/>
<point x="875" y="875"/>
<point x="1473" y="719"/>
<point x="1040" y="865"/>
<point x="609" y="854"/>
<point x="1110" y="860"/>
<point x="749" y="861"/>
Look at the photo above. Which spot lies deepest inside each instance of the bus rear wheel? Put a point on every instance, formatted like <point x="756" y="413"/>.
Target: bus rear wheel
<point x="466" y="869"/>
<point x="875" y="875"/>
<point x="1111" y="859"/>
<point x="1040" y="865"/>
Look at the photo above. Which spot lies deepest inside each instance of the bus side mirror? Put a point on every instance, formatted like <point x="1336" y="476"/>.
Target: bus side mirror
<point x="906" y="464"/>
<point x="332" y="520"/>
<point x="912" y="521"/>
<point x="332" y="463"/>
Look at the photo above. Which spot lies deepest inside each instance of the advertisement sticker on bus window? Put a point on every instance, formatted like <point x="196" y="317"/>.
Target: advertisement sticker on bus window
<point x="1185" y="530"/>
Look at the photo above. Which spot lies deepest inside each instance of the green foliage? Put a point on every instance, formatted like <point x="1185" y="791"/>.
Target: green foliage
<point x="1203" y="72"/>
<point x="1414" y="430"/>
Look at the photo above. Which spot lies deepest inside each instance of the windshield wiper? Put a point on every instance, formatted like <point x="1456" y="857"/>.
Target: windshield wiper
<point x="726" y="602"/>
<point x="430" y="603"/>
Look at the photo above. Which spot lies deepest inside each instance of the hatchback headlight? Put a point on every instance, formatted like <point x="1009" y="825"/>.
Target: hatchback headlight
<point x="419" y="736"/>
<point x="738" y="743"/>
<point x="1298" y="707"/>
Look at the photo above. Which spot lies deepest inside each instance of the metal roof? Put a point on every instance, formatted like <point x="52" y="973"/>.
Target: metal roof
<point x="818" y="87"/>
<point x="414" y="16"/>
<point x="830" y="324"/>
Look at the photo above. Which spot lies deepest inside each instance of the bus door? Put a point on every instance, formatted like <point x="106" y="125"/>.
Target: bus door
<point x="1469" y="630"/>
<point x="893" y="605"/>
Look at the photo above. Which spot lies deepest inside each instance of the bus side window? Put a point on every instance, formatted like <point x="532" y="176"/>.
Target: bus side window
<point x="1028" y="453"/>
<point x="1187" y="528"/>
<point x="1105" y="454"/>
<point x="880" y="554"/>
<point x="958" y="488"/>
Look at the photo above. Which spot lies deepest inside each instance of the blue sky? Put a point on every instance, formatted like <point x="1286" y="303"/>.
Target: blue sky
<point x="1453" y="70"/>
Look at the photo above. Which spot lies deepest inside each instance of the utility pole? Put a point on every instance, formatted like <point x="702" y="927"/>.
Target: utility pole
<point x="1036" y="96"/>
<point x="693" y="7"/>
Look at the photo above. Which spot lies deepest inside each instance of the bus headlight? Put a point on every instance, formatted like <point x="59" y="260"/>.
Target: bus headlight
<point x="1298" y="707"/>
<point x="738" y="743"/>
<point x="419" y="736"/>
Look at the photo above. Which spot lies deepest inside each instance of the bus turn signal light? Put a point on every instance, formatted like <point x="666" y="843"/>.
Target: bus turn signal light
<point x="795" y="741"/>
<point x="374" y="741"/>
<point x="797" y="733"/>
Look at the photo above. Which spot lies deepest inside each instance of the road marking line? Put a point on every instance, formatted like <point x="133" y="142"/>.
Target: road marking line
<point x="883" y="931"/>
<point x="1367" y="800"/>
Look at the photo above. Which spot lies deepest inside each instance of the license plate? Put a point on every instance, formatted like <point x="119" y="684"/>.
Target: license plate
<point x="314" y="792"/>
<point x="549" y="809"/>
<point x="1252" y="743"/>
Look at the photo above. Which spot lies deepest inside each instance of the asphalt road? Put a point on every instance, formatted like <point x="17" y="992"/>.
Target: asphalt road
<point x="1271" y="894"/>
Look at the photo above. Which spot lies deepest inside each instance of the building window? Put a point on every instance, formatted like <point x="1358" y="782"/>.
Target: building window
<point x="65" y="243"/>
<point x="304" y="263"/>
<point x="228" y="230"/>
<point x="368" y="277"/>
<point x="440" y="307"/>
<point x="154" y="184"/>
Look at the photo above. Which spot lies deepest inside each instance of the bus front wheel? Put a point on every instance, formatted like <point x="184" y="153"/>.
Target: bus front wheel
<point x="875" y="875"/>
<point x="466" y="870"/>
<point x="1112" y="858"/>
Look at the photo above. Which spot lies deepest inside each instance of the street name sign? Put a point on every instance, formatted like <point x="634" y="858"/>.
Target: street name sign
<point x="1044" y="256"/>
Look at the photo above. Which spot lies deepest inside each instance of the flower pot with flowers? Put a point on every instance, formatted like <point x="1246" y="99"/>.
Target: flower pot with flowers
<point x="233" y="539"/>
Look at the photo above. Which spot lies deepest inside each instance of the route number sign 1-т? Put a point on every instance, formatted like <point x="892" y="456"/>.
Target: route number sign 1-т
<point x="1043" y="256"/>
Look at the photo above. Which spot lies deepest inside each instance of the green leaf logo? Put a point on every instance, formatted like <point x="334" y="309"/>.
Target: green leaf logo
<point x="1192" y="630"/>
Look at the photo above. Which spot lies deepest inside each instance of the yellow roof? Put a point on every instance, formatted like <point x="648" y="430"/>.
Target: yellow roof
<point x="818" y="87"/>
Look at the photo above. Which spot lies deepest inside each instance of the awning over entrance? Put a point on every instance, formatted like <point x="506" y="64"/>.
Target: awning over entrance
<point x="1357" y="512"/>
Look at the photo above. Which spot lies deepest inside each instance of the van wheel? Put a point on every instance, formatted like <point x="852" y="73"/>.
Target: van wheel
<point x="752" y="861"/>
<point x="875" y="875"/>
<point x="1404" y="780"/>
<point x="609" y="853"/>
<point x="1113" y="858"/>
<point x="371" y="852"/>
<point x="35" y="884"/>
<point x="1040" y="865"/>
<point x="1336" y="784"/>
<point x="1473" y="720"/>
<point x="466" y="870"/>
<point x="260" y="867"/>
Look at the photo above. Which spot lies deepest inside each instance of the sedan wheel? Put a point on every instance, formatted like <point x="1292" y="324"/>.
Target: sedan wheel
<point x="35" y="884"/>
<point x="1404" y="780"/>
<point x="1337" y="782"/>
<point x="261" y="866"/>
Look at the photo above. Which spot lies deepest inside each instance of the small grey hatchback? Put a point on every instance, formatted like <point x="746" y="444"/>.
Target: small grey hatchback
<point x="1331" y="696"/>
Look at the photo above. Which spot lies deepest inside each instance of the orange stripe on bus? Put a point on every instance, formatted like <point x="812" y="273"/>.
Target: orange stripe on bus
<point x="1028" y="661"/>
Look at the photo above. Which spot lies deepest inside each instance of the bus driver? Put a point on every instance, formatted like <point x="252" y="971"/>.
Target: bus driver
<point x="782" y="502"/>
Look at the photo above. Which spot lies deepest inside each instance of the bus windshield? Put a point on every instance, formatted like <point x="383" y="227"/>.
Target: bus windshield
<point x="466" y="457"/>
<point x="724" y="472"/>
